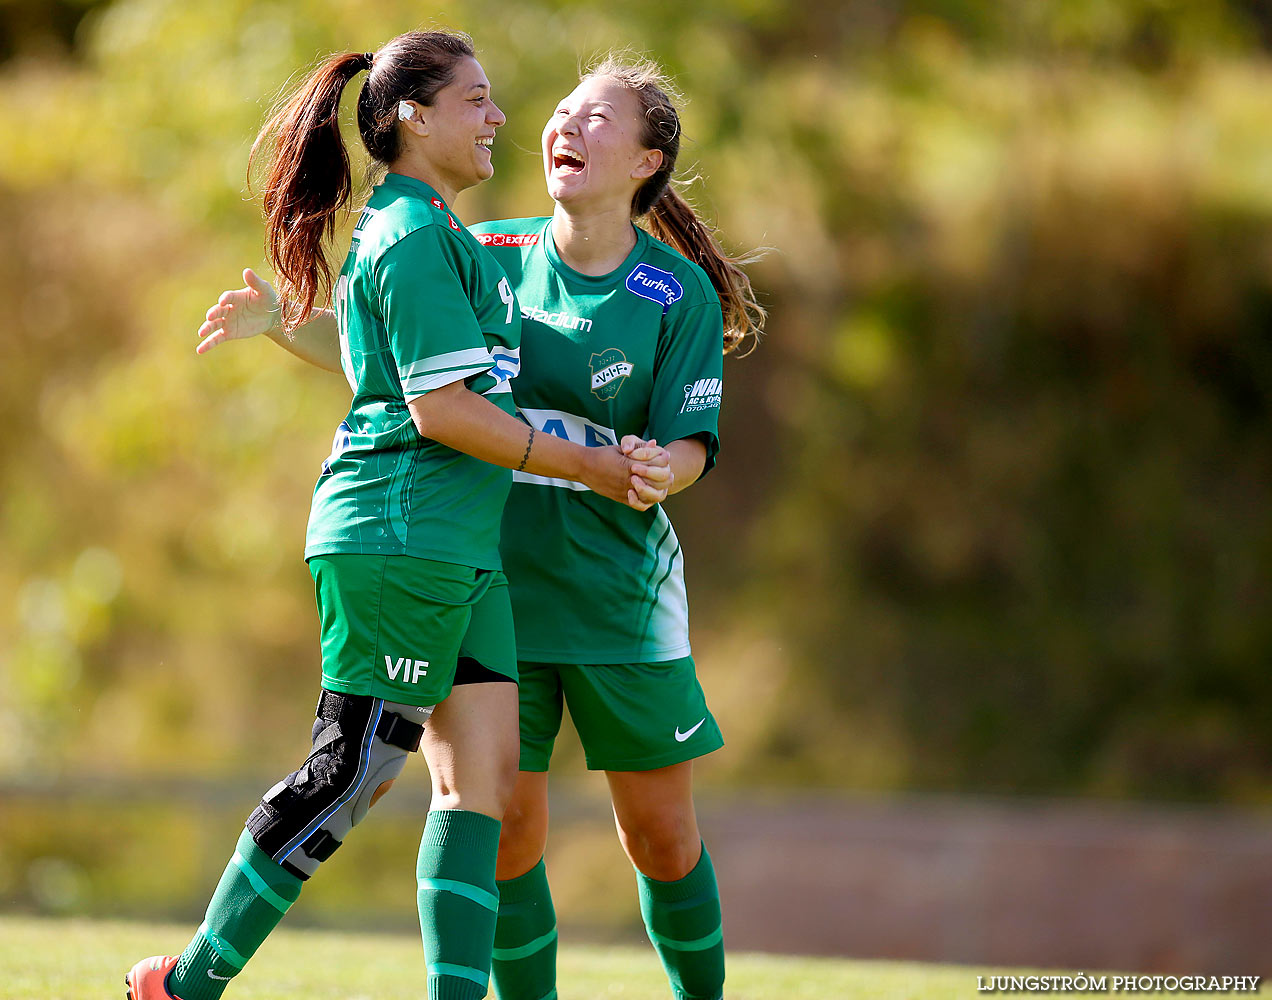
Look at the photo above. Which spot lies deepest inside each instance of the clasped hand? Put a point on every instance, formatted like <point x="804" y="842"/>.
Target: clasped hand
<point x="651" y="474"/>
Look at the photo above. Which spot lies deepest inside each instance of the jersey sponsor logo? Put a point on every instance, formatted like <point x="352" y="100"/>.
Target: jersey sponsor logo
<point x="507" y="362"/>
<point x="681" y="737"/>
<point x="453" y="224"/>
<point x="343" y="435"/>
<point x="561" y="319"/>
<point x="703" y="394"/>
<point x="507" y="239"/>
<point x="437" y="203"/>
<point x="410" y="669"/>
<point x="655" y="284"/>
<point x="609" y="370"/>
<point x="568" y="427"/>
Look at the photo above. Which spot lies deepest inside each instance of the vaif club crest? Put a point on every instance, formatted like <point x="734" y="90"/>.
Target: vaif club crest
<point x="610" y="369"/>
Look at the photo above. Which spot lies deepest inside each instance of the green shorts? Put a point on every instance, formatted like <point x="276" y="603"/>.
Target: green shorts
<point x="630" y="716"/>
<point x="394" y="627"/>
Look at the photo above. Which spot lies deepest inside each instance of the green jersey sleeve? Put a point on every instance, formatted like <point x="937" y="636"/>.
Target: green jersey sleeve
<point x="433" y="333"/>
<point x="688" y="385"/>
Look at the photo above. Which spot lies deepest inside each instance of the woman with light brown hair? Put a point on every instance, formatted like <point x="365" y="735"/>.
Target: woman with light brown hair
<point x="623" y="333"/>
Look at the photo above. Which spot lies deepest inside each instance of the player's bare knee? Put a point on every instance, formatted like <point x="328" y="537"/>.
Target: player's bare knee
<point x="664" y="847"/>
<point x="664" y="862"/>
<point x="518" y="822"/>
<point x="517" y="856"/>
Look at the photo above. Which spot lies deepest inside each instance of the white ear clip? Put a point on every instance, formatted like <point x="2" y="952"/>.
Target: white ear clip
<point x="405" y="111"/>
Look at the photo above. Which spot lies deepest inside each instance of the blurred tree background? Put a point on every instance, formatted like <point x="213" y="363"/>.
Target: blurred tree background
<point x="992" y="511"/>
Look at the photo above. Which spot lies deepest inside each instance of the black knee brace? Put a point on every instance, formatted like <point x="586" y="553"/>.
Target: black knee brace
<point x="359" y="744"/>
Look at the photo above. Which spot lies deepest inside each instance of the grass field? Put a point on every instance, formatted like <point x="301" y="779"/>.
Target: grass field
<point x="44" y="959"/>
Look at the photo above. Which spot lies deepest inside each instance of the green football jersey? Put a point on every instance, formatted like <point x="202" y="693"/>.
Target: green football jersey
<point x="419" y="304"/>
<point x="636" y="351"/>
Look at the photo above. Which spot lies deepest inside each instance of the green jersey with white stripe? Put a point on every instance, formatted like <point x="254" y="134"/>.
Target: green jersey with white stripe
<point x="419" y="304"/>
<point x="636" y="351"/>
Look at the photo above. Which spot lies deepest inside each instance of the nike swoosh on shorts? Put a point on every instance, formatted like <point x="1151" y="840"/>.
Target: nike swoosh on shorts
<point x="681" y="737"/>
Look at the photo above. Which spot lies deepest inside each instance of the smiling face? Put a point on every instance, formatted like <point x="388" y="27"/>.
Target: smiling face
<point x="456" y="131"/>
<point x="592" y="150"/>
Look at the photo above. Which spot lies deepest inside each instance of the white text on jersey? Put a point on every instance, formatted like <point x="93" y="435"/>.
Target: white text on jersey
<point x="703" y="394"/>
<point x="568" y="427"/>
<point x="561" y="319"/>
<point x="507" y="239"/>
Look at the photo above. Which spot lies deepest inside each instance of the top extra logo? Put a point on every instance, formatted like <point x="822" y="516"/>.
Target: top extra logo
<point x="654" y="284"/>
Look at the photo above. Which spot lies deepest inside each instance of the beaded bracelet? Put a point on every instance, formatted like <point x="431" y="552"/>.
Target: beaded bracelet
<point x="526" y="457"/>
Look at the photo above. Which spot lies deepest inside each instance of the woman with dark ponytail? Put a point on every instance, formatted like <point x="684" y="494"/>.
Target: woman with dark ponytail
<point x="402" y="544"/>
<point x="623" y="333"/>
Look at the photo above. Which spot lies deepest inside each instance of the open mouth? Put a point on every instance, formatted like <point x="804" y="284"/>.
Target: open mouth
<point x="486" y="142"/>
<point x="566" y="161"/>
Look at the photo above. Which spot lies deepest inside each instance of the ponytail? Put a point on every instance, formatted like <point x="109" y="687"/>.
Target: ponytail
<point x="308" y="184"/>
<point x="673" y="221"/>
<point x="309" y="180"/>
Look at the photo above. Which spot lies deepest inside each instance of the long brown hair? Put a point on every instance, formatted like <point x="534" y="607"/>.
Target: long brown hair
<point x="670" y="218"/>
<point x="308" y="181"/>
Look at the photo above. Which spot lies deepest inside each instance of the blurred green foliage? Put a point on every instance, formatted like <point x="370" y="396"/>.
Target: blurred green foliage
<point x="992" y="510"/>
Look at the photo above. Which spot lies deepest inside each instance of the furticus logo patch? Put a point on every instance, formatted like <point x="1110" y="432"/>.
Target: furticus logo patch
<point x="702" y="395"/>
<point x="655" y="284"/>
<point x="507" y="239"/>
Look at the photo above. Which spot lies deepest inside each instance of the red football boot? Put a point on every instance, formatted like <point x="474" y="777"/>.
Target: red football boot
<point x="148" y="978"/>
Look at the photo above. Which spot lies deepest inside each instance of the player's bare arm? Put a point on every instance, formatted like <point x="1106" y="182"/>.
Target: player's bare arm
<point x="254" y="310"/>
<point x="467" y="422"/>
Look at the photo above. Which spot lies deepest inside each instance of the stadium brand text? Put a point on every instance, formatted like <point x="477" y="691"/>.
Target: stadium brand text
<point x="561" y="319"/>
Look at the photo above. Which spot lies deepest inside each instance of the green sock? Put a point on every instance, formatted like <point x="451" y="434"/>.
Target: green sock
<point x="526" y="938"/>
<point x="249" y="901"/>
<point x="458" y="901"/>
<point x="683" y="922"/>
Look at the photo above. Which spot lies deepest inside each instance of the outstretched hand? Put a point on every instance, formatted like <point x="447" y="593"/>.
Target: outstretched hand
<point x="241" y="313"/>
<point x="651" y="477"/>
